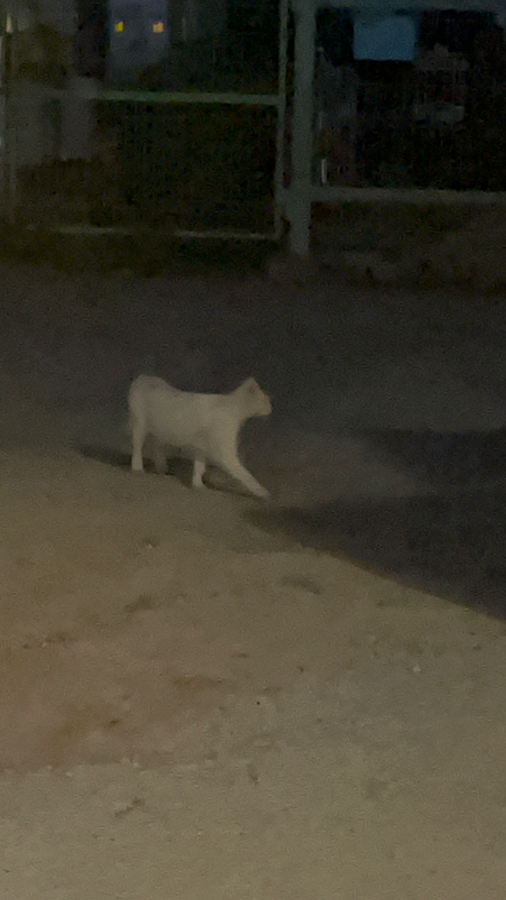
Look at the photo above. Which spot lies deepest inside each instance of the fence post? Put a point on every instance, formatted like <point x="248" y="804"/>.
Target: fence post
<point x="10" y="137"/>
<point x="299" y="199"/>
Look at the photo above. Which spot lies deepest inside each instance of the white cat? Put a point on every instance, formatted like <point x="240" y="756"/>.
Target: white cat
<point x="203" y="427"/>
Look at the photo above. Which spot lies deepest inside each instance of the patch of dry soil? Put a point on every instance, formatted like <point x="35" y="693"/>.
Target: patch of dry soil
<point x="197" y="705"/>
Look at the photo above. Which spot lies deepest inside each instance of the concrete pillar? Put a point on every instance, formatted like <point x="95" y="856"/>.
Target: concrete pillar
<point x="299" y="199"/>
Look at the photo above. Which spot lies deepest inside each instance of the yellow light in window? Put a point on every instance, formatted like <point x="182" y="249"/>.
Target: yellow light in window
<point x="9" y="25"/>
<point x="119" y="27"/>
<point x="158" y="27"/>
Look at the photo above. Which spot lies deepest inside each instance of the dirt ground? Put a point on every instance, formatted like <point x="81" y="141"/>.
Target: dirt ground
<point x="205" y="696"/>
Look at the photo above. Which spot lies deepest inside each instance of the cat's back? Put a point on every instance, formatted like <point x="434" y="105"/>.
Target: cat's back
<point x="150" y="388"/>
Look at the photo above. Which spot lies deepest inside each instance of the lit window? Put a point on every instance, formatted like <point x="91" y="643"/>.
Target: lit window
<point x="9" y="25"/>
<point x="158" y="27"/>
<point x="119" y="27"/>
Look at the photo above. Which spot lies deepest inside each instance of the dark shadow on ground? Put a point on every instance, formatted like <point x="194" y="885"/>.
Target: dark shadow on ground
<point x="468" y="460"/>
<point x="176" y="467"/>
<point x="451" y="542"/>
<point x="105" y="455"/>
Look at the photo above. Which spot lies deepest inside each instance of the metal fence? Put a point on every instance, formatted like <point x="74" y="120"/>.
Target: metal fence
<point x="189" y="143"/>
<point x="195" y="136"/>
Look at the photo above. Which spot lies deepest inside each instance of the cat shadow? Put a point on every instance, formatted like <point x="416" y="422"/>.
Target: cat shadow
<point x="177" y="467"/>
